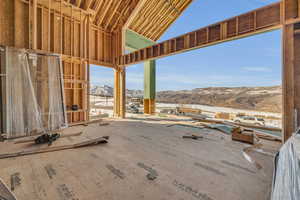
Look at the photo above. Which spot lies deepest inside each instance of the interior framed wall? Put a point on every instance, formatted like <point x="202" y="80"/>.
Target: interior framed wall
<point x="56" y="26"/>
<point x="76" y="89"/>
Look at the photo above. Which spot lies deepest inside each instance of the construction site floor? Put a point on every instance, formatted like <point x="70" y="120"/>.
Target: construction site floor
<point x="212" y="168"/>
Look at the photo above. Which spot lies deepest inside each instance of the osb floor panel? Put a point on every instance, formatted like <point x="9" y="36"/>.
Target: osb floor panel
<point x="209" y="169"/>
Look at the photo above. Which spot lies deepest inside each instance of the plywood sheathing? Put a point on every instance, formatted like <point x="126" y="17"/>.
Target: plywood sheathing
<point x="187" y="169"/>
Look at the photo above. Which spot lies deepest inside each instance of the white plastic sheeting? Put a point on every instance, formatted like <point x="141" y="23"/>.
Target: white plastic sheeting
<point x="22" y="116"/>
<point x="33" y="90"/>
<point x="286" y="183"/>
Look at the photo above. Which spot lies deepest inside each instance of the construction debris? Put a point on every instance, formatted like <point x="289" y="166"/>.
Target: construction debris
<point x="258" y="127"/>
<point x="47" y="138"/>
<point x="247" y="156"/>
<point x="103" y="124"/>
<point x="220" y="127"/>
<point x="242" y="136"/>
<point x="15" y="181"/>
<point x="96" y="141"/>
<point x="257" y="132"/>
<point x="185" y="125"/>
<point x="227" y="128"/>
<point x="194" y="137"/>
<point x="184" y="111"/>
<point x="34" y="139"/>
<point x="86" y="123"/>
<point x="151" y="176"/>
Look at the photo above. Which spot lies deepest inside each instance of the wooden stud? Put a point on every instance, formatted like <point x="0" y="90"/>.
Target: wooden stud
<point x="34" y="24"/>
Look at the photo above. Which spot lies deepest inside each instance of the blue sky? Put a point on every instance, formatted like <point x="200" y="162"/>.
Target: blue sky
<point x="252" y="61"/>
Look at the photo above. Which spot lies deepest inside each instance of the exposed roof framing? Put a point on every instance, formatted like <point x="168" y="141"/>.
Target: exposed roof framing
<point x="156" y="16"/>
<point x="149" y="18"/>
<point x="107" y="14"/>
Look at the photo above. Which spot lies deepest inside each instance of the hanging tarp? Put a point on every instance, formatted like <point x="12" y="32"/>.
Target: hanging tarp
<point x="32" y="93"/>
<point x="286" y="180"/>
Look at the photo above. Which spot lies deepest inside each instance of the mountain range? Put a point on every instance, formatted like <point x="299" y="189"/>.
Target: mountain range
<point x="252" y="98"/>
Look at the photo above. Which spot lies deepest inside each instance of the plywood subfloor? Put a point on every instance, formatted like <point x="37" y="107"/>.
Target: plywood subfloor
<point x="209" y="169"/>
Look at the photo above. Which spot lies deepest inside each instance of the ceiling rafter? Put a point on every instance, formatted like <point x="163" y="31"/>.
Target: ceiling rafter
<point x="153" y="17"/>
<point x="149" y="18"/>
<point x="78" y="3"/>
<point x="172" y="15"/>
<point x="106" y="9"/>
<point x="156" y="17"/>
<point x="123" y="16"/>
<point x="112" y="14"/>
<point x="167" y="23"/>
<point x="141" y="17"/>
<point x="134" y="13"/>
<point x="87" y="4"/>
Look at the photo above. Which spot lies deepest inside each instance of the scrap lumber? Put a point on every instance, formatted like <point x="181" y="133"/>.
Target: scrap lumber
<point x="242" y="136"/>
<point x="86" y="123"/>
<point x="103" y="124"/>
<point x="259" y="127"/>
<point x="92" y="142"/>
<point x="194" y="137"/>
<point x="237" y="124"/>
<point x="258" y="133"/>
<point x="200" y="119"/>
<point x="184" y="125"/>
<point x="267" y="137"/>
<point x="220" y="127"/>
<point x="33" y="139"/>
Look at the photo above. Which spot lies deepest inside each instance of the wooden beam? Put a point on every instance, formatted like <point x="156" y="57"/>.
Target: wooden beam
<point x="49" y="25"/>
<point x="78" y="3"/>
<point x="153" y="13"/>
<point x="146" y="11"/>
<point x="291" y="68"/>
<point x="134" y="13"/>
<point x="288" y="81"/>
<point x="116" y="92"/>
<point x="112" y="14"/>
<point x="118" y="19"/>
<point x="257" y="21"/>
<point x="87" y="4"/>
<point x="103" y="14"/>
<point x="291" y="9"/>
<point x="122" y="92"/>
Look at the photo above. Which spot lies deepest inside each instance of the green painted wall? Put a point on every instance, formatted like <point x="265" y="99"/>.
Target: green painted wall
<point x="134" y="42"/>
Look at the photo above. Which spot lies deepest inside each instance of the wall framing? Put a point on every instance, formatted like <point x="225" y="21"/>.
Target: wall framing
<point x="59" y="27"/>
<point x="68" y="28"/>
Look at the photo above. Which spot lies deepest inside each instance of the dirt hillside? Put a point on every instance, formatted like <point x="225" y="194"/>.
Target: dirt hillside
<point x="252" y="98"/>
